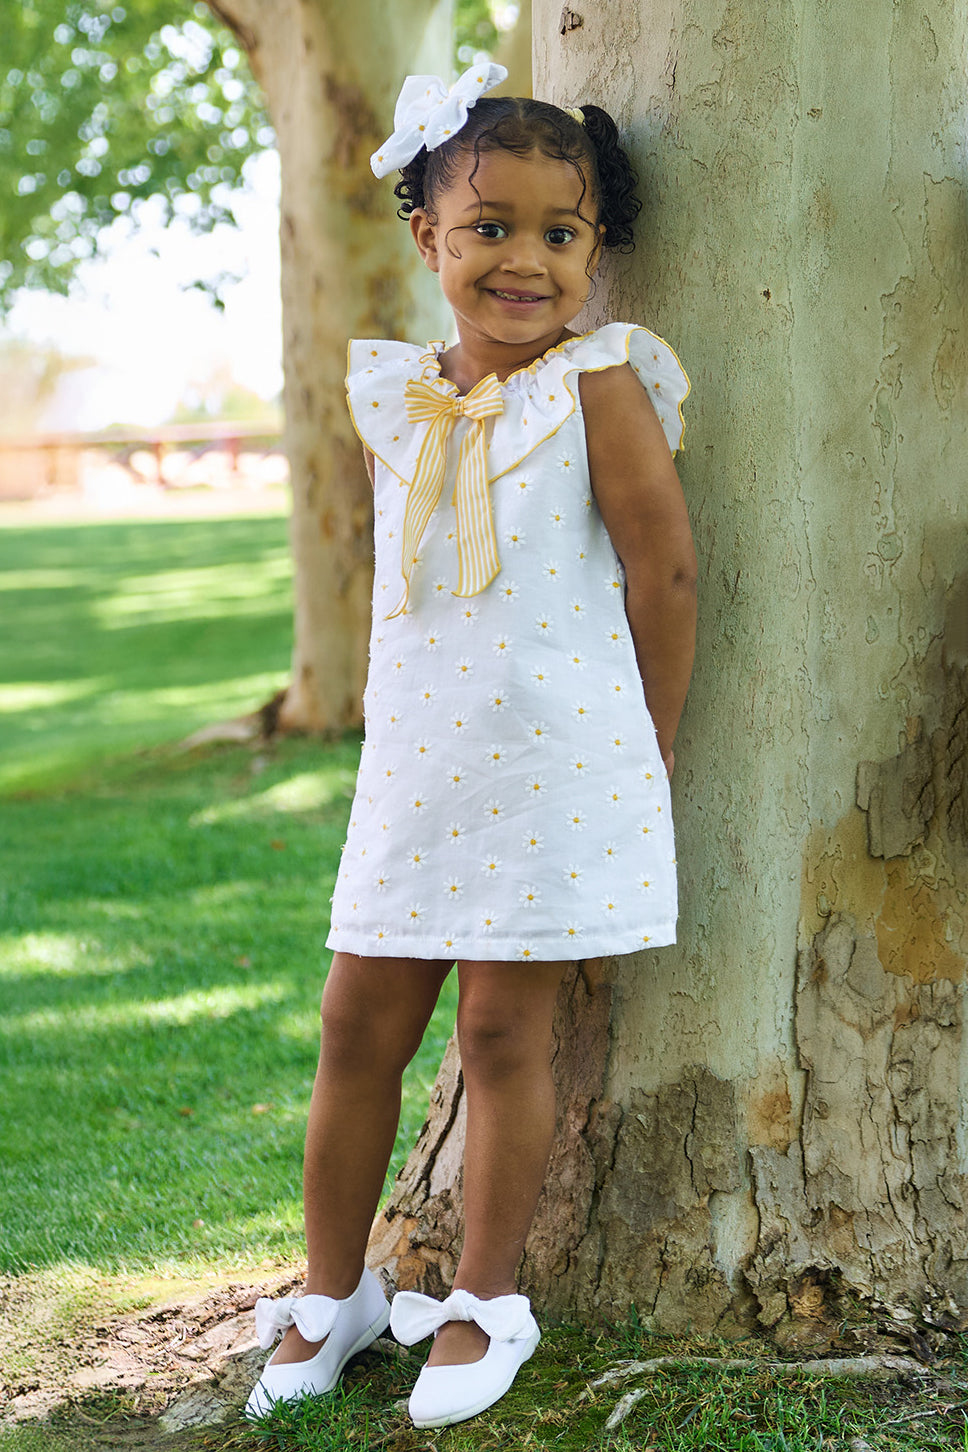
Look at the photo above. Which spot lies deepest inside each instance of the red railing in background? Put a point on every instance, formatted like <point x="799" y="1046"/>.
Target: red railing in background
<point x="37" y="463"/>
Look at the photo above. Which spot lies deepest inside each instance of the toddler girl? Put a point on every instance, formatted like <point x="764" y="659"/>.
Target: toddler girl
<point x="532" y="640"/>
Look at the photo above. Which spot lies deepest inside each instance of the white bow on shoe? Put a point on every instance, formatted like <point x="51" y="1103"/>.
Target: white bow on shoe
<point x="446" y="1394"/>
<point x="313" y="1316"/>
<point x="414" y="1317"/>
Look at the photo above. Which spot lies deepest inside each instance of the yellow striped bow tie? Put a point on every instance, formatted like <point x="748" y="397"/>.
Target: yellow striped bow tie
<point x="476" y="545"/>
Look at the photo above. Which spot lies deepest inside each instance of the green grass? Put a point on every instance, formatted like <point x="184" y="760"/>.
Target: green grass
<point x="115" y="637"/>
<point x="551" y="1406"/>
<point x="162" y="917"/>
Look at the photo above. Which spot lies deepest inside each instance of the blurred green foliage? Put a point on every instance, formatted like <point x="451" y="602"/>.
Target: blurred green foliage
<point x="104" y="103"/>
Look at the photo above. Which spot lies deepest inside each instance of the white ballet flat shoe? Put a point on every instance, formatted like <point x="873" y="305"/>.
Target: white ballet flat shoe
<point x="349" y="1326"/>
<point x="446" y="1394"/>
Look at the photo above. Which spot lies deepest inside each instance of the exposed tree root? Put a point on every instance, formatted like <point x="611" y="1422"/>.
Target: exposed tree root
<point x="837" y="1368"/>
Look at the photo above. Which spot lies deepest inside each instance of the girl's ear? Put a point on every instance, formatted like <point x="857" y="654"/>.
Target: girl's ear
<point x="424" y="233"/>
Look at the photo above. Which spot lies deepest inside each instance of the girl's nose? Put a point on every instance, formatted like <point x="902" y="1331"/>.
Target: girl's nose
<point x="523" y="256"/>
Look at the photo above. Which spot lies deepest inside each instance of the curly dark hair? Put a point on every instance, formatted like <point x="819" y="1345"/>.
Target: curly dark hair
<point x="520" y="125"/>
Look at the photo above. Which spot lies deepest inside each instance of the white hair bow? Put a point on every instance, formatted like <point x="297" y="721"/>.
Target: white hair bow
<point x="413" y="1316"/>
<point x="428" y="114"/>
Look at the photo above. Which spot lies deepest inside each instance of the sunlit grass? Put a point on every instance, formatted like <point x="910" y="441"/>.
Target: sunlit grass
<point x="120" y="636"/>
<point x="161" y="962"/>
<point x="162" y="916"/>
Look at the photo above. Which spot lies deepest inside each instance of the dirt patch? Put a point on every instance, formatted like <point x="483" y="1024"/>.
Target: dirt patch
<point x="140" y="1379"/>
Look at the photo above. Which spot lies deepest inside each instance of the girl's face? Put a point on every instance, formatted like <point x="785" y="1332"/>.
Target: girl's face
<point x="513" y="254"/>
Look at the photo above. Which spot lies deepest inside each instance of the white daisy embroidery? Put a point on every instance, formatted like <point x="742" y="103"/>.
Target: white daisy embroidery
<point x="578" y="765"/>
<point x="456" y="834"/>
<point x="495" y="755"/>
<point x="380" y="934"/>
<point x="458" y="723"/>
<point x="455" y="777"/>
<point x="643" y="828"/>
<point x="381" y="882"/>
<point x="389" y="771"/>
<point x="616" y="687"/>
<point x="448" y="945"/>
<point x="610" y="852"/>
<point x="498" y="701"/>
<point x="464" y="667"/>
<point x="540" y="677"/>
<point x="581" y="556"/>
<point x="577" y="660"/>
<point x="469" y="614"/>
<point x="572" y="875"/>
<point x="609" y="905"/>
<point x="612" y="582"/>
<point x="428" y="695"/>
<point x="488" y="923"/>
<point x="617" y="743"/>
<point x="551" y="570"/>
<point x="526" y="952"/>
<point x="566" y="461"/>
<point x="501" y="645"/>
<point x="614" y="636"/>
<point x="393" y="720"/>
<point x="494" y="809"/>
<point x="432" y="641"/>
<point x="580" y="711"/>
<point x="514" y="539"/>
<point x="422" y="748"/>
<point x="613" y="797"/>
<point x="576" y="609"/>
<point x="532" y="841"/>
<point x="524" y="485"/>
<point x="399" y="663"/>
<point x="646" y="885"/>
<point x="508" y="592"/>
<point x="416" y="857"/>
<point x="538" y="731"/>
<point x="415" y="912"/>
<point x="557" y="518"/>
<point x="572" y="931"/>
<point x="535" y="786"/>
<point x="440" y="587"/>
<point x="529" y="895"/>
<point x="491" y="866"/>
<point x="577" y="821"/>
<point x="418" y="804"/>
<point x="544" y="625"/>
<point x="453" y="888"/>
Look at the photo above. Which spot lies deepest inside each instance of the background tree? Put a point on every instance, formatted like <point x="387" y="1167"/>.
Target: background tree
<point x="779" y="1114"/>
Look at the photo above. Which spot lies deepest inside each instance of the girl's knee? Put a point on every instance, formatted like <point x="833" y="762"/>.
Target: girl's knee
<point x="498" y="1039"/>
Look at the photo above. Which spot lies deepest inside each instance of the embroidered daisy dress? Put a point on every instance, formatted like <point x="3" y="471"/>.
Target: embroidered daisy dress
<point x="511" y="802"/>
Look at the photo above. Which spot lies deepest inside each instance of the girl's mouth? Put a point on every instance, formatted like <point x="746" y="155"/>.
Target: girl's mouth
<point x="517" y="297"/>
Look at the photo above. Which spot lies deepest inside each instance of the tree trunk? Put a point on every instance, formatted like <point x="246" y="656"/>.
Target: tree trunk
<point x="777" y="1109"/>
<point x="330" y="73"/>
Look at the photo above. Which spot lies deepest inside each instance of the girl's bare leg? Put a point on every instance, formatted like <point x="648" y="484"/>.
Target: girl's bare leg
<point x="504" y="1028"/>
<point x="374" y="1013"/>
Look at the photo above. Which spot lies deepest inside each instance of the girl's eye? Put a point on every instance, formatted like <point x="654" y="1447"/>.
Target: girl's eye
<point x="558" y="236"/>
<point x="491" y="230"/>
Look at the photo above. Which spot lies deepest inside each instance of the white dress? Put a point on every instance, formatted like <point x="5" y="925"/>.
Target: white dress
<point x="511" y="801"/>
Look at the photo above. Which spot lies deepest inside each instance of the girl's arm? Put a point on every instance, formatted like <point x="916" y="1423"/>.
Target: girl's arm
<point x="368" y="460"/>
<point x="640" y="498"/>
